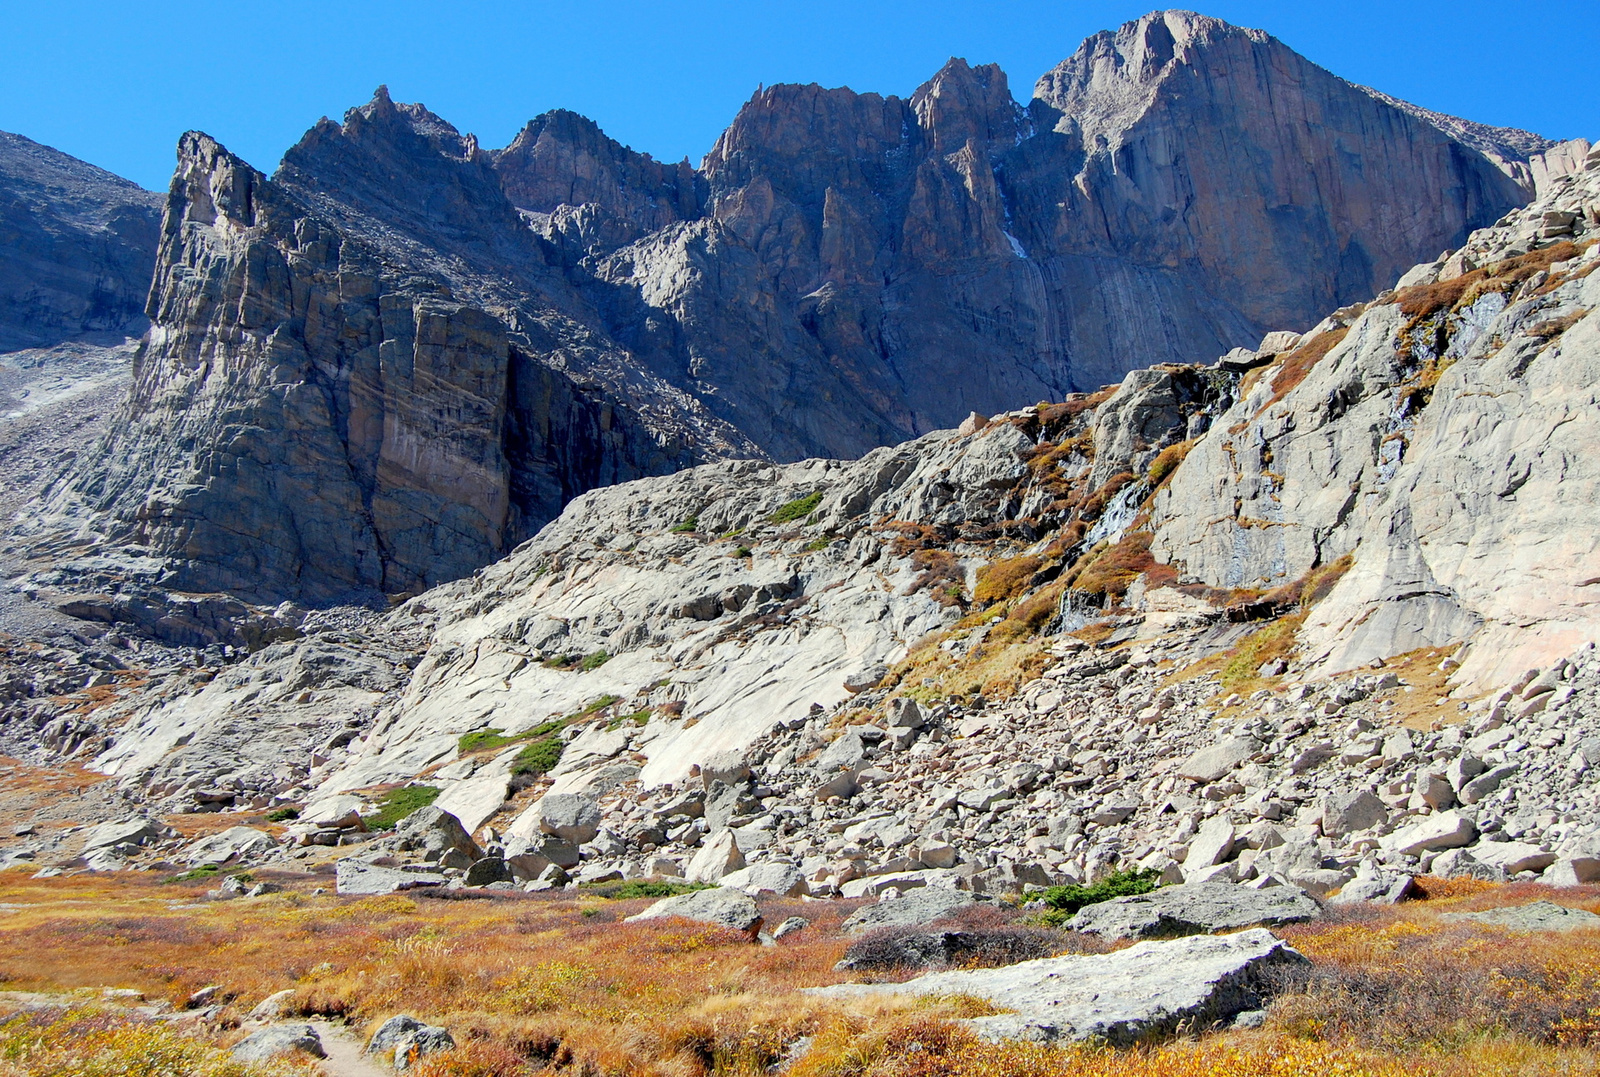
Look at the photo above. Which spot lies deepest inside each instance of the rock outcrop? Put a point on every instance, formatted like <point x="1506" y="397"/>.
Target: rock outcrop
<point x="77" y="246"/>
<point x="400" y="356"/>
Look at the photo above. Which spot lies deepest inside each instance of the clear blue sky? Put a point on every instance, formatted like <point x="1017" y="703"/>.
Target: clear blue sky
<point x="117" y="83"/>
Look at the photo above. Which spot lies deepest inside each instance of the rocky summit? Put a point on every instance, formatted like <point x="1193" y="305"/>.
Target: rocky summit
<point x="400" y="355"/>
<point x="1091" y="553"/>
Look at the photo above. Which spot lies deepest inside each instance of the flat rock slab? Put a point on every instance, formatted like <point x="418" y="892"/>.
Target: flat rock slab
<point x="1538" y="916"/>
<point x="360" y="877"/>
<point x="918" y="908"/>
<point x="276" y="1040"/>
<point x="1195" y="909"/>
<point x="722" y="906"/>
<point x="1145" y="991"/>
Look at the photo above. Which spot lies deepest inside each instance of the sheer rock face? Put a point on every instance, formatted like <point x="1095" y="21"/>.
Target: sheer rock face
<point x="305" y="421"/>
<point x="76" y="247"/>
<point x="398" y="357"/>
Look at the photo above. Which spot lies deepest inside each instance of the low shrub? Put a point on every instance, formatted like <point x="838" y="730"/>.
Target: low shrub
<point x="283" y="815"/>
<point x="594" y="661"/>
<point x="687" y="524"/>
<point x="1062" y="902"/>
<point x="797" y="509"/>
<point x="399" y="803"/>
<point x="1005" y="579"/>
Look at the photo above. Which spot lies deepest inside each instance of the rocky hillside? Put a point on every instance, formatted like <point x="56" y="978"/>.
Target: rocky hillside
<point x="77" y="246"/>
<point x="399" y="356"/>
<point x="1317" y="613"/>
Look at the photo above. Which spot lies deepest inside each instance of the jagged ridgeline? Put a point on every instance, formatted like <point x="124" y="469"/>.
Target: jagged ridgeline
<point x="399" y="356"/>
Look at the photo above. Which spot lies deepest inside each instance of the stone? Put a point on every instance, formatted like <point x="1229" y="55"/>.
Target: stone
<point x="1143" y="992"/>
<point x="437" y="836"/>
<point x="718" y="855"/>
<point x="418" y="1043"/>
<point x="921" y="907"/>
<point x="342" y="811"/>
<point x="491" y="869"/>
<point x="1536" y="916"/>
<point x="1345" y="813"/>
<point x="1212" y="845"/>
<point x="790" y="926"/>
<point x="940" y="949"/>
<point x="391" y="1032"/>
<point x="1484" y="784"/>
<point x="273" y="1006"/>
<point x="235" y="843"/>
<point x="355" y="876"/>
<point x="1572" y="871"/>
<point x="720" y="906"/>
<point x="570" y="817"/>
<point x="1435" y="791"/>
<point x="1446" y="830"/>
<point x="1459" y="863"/>
<point x="1376" y="888"/>
<point x="266" y="1043"/>
<point x="1217" y="761"/>
<point x="136" y="831"/>
<point x="906" y="713"/>
<point x="1194" y="909"/>
<point x="768" y="877"/>
<point x="1512" y="856"/>
<point x="938" y="854"/>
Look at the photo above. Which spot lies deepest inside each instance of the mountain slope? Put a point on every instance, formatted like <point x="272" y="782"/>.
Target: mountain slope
<point x="77" y="245"/>
<point x="454" y="353"/>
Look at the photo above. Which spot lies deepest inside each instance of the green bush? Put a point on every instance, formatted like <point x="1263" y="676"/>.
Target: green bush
<point x="1061" y="902"/>
<point x="818" y="544"/>
<point x="399" y="803"/>
<point x="796" y="509"/>
<point x="538" y="758"/>
<point x="689" y="523"/>
<point x="742" y="551"/>
<point x="204" y="871"/>
<point x="484" y="740"/>
<point x="653" y="888"/>
<point x="594" y="661"/>
<point x="282" y="815"/>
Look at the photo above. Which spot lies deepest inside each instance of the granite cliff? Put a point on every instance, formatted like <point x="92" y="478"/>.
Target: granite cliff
<point x="399" y="356"/>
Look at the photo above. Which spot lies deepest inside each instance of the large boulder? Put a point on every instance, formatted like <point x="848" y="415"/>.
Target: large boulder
<point x="419" y="1043"/>
<point x="235" y="843"/>
<point x="718" y="856"/>
<point x="1148" y="990"/>
<point x="571" y="817"/>
<point x="1446" y="830"/>
<point x="721" y="906"/>
<point x="771" y="877"/>
<point x="919" y="908"/>
<point x="124" y="832"/>
<point x="357" y="876"/>
<point x="1210" y="764"/>
<point x="437" y="837"/>
<point x="1195" y="909"/>
<point x="279" y="1039"/>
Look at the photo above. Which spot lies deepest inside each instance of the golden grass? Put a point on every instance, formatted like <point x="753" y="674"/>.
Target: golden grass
<point x="560" y="985"/>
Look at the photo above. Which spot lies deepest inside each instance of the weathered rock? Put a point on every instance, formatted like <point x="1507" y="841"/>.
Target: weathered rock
<point x="279" y="1039"/>
<point x="1513" y="856"/>
<point x="572" y="818"/>
<point x="719" y="855"/>
<point x="1572" y="871"/>
<point x="1210" y="764"/>
<point x="1193" y="909"/>
<point x="355" y="876"/>
<point x="273" y="1006"/>
<point x="919" y="908"/>
<point x="392" y="1031"/>
<point x="770" y="877"/>
<point x="491" y="869"/>
<point x="1537" y="916"/>
<point x="235" y="843"/>
<point x="418" y="1043"/>
<point x="437" y="837"/>
<point x="721" y="906"/>
<point x="1348" y="812"/>
<point x="1210" y="846"/>
<point x="1446" y="830"/>
<point x="1122" y="998"/>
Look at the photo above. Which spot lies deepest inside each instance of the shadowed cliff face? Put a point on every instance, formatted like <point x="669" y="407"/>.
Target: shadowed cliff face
<point x="403" y="354"/>
<point x="76" y="247"/>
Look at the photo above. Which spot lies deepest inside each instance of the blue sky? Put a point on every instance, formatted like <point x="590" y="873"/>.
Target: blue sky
<point x="117" y="83"/>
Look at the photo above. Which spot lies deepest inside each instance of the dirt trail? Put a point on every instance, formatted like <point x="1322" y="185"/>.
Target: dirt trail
<point x="344" y="1053"/>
